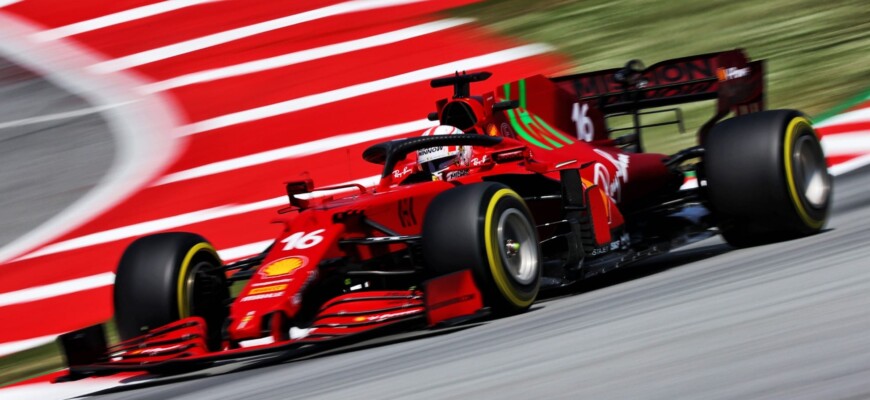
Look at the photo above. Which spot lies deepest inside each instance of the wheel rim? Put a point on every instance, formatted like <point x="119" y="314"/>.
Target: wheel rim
<point x="205" y="296"/>
<point x="194" y="283"/>
<point x="517" y="247"/>
<point x="811" y="177"/>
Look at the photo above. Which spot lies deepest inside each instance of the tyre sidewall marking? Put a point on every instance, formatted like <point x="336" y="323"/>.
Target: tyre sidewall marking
<point x="492" y="253"/>
<point x="790" y="136"/>
<point x="183" y="306"/>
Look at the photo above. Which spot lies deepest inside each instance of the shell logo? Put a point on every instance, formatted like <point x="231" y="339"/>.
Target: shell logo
<point x="284" y="266"/>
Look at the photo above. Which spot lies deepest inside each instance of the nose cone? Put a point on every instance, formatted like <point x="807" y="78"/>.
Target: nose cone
<point x="276" y="287"/>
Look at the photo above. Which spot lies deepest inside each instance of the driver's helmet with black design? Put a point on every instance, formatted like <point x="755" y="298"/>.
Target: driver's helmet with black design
<point x="438" y="160"/>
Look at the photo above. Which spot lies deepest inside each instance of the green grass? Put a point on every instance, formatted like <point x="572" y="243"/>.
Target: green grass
<point x="30" y="363"/>
<point x="48" y="358"/>
<point x="817" y="52"/>
<point x="40" y="360"/>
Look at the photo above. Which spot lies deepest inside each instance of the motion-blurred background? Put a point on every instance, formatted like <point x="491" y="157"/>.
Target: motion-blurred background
<point x="817" y="53"/>
<point x="266" y="116"/>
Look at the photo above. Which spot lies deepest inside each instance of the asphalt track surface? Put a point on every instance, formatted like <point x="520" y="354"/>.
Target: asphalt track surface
<point x="53" y="150"/>
<point x="783" y="321"/>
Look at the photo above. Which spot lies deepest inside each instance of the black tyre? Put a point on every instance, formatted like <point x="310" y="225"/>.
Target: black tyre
<point x="168" y="276"/>
<point x="488" y="228"/>
<point x="767" y="179"/>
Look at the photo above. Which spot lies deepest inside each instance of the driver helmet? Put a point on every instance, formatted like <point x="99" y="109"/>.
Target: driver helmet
<point x="436" y="160"/>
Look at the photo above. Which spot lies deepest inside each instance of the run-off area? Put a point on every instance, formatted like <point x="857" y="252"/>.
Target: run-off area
<point x="54" y="147"/>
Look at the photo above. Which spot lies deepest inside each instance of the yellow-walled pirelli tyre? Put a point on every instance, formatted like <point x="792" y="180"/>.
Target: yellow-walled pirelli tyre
<point x="168" y="276"/>
<point x="486" y="227"/>
<point x="767" y="178"/>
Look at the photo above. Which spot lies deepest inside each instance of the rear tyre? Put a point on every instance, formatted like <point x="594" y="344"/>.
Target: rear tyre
<point x="166" y="277"/>
<point x="767" y="179"/>
<point x="486" y="227"/>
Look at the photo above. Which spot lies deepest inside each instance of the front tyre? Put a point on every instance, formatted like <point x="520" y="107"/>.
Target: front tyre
<point x="486" y="227"/>
<point x="166" y="277"/>
<point x="767" y="178"/>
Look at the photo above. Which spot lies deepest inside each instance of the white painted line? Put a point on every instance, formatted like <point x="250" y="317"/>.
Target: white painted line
<point x="66" y="390"/>
<point x="108" y="278"/>
<point x="21" y="345"/>
<point x="188" y="46"/>
<point x="4" y="3"/>
<point x="59" y="116"/>
<point x="299" y="150"/>
<point x="846" y="143"/>
<point x="689" y="183"/>
<point x="850" y="165"/>
<point x="305" y="102"/>
<point x="157" y="225"/>
<point x="859" y="115"/>
<point x="304" y="55"/>
<point x="56" y="289"/>
<point x="164" y="224"/>
<point x="143" y="131"/>
<point x="246" y="250"/>
<point x="43" y="292"/>
<point x="63" y="288"/>
<point x="105" y="21"/>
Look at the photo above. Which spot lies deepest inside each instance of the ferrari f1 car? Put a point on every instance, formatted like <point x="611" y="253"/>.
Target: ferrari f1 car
<point x="518" y="190"/>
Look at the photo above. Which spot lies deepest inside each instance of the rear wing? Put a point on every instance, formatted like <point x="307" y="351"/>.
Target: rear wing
<point x="728" y="77"/>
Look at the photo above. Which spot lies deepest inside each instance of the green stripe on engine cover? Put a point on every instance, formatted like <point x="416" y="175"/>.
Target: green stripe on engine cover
<point x="516" y="124"/>
<point x="553" y="131"/>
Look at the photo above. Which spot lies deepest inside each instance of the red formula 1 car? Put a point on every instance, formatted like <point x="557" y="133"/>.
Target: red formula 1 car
<point x="518" y="190"/>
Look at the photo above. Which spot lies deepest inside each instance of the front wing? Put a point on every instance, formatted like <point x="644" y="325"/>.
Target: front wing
<point x="354" y="317"/>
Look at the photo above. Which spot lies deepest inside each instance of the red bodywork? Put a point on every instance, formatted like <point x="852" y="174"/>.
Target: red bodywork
<point x="556" y="125"/>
